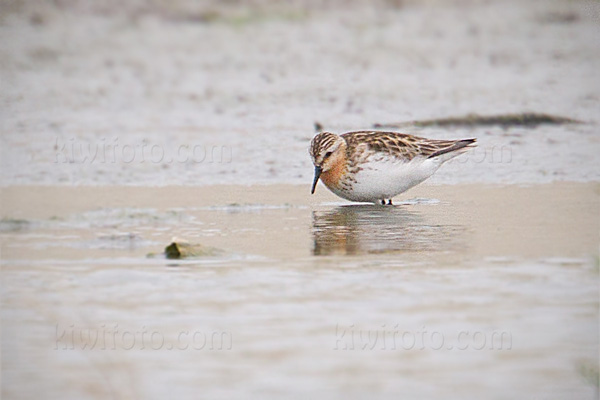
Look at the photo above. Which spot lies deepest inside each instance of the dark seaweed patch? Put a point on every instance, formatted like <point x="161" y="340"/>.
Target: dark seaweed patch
<point x="528" y="120"/>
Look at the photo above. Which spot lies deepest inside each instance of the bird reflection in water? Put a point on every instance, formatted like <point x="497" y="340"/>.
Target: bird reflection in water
<point x="370" y="229"/>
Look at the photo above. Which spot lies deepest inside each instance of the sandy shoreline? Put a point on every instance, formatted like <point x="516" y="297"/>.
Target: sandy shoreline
<point x="521" y="261"/>
<point x="559" y="219"/>
<point x="184" y="101"/>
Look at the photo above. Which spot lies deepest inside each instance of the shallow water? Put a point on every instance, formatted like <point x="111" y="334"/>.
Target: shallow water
<point x="455" y="292"/>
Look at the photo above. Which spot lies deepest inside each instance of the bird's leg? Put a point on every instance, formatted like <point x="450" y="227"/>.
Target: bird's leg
<point x="390" y="202"/>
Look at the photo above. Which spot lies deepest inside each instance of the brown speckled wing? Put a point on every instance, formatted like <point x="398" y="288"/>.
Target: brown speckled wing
<point x="401" y="145"/>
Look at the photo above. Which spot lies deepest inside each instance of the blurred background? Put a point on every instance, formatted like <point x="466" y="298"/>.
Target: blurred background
<point x="204" y="92"/>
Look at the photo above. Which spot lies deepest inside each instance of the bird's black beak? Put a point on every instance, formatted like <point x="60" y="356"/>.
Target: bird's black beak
<point x="318" y="171"/>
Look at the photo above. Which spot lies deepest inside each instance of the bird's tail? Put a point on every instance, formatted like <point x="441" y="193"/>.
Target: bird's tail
<point x="454" y="149"/>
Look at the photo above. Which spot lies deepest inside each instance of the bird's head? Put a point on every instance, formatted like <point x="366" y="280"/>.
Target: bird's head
<point x="326" y="150"/>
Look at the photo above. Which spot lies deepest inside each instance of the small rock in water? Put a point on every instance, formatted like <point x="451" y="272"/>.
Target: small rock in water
<point x="183" y="249"/>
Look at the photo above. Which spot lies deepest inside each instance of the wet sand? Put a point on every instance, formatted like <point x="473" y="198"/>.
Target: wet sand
<point x="562" y="218"/>
<point x="307" y="293"/>
<point x="146" y="95"/>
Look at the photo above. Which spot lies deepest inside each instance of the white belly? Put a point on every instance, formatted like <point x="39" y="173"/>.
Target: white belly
<point x="386" y="178"/>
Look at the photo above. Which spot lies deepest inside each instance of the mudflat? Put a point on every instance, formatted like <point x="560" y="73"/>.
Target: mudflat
<point x="558" y="219"/>
<point x="494" y="288"/>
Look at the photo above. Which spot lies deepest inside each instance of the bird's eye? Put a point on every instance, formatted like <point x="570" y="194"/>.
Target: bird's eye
<point x="328" y="154"/>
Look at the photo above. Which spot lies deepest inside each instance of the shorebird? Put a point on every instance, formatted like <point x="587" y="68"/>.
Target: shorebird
<point x="375" y="166"/>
